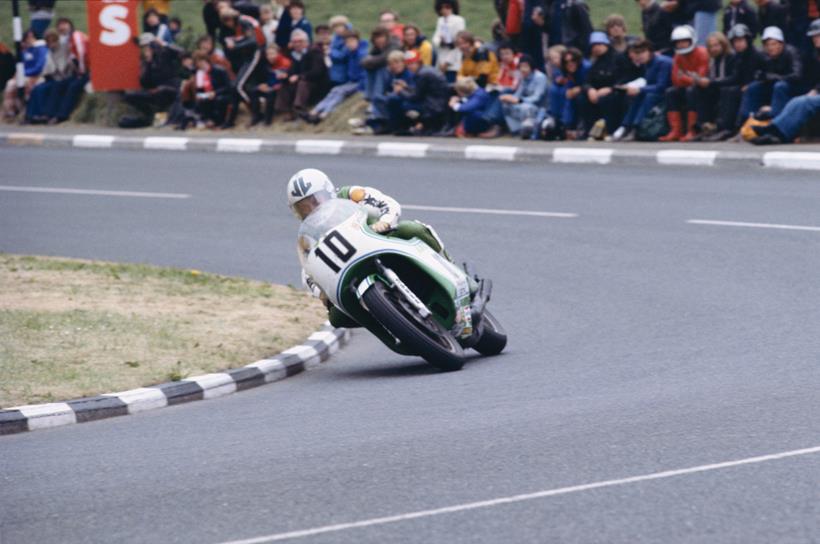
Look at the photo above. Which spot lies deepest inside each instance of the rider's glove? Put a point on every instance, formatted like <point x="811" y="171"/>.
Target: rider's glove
<point x="381" y="227"/>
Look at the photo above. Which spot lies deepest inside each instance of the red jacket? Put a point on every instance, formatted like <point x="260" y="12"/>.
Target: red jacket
<point x="697" y="61"/>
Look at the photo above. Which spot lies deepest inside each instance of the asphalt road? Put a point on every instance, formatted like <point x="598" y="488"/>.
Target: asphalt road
<point x="639" y="343"/>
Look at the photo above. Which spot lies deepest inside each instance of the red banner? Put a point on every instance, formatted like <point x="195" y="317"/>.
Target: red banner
<point x="114" y="55"/>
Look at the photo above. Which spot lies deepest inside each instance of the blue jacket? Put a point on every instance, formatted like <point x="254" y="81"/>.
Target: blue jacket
<point x="483" y="104"/>
<point x="338" y="60"/>
<point x="355" y="71"/>
<point x="533" y="90"/>
<point x="346" y="65"/>
<point x="302" y="24"/>
<point x="34" y="58"/>
<point x="658" y="74"/>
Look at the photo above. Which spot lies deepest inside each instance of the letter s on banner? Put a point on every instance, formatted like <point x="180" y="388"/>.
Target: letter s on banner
<point x="114" y="56"/>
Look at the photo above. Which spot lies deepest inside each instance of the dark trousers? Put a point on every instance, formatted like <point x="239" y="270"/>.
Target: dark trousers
<point x="681" y="99"/>
<point x="609" y="108"/>
<point x="148" y="102"/>
<point x="256" y="104"/>
<point x="213" y="110"/>
<point x="296" y="97"/>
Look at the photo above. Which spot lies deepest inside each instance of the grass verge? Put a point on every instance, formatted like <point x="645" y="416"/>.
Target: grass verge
<point x="72" y="328"/>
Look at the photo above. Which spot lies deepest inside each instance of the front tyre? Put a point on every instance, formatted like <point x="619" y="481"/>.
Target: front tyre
<point x="424" y="336"/>
<point x="493" y="338"/>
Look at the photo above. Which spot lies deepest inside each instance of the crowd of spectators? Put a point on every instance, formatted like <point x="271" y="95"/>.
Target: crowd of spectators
<point x="693" y="72"/>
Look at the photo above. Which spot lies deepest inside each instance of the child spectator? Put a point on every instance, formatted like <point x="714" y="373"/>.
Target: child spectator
<point x="786" y="126"/>
<point x="382" y="43"/>
<point x="448" y="25"/>
<point x="35" y="55"/>
<point x="276" y="68"/>
<point x="414" y="40"/>
<point x="708" y="89"/>
<point x="739" y="12"/>
<point x="389" y="19"/>
<point x="690" y="61"/>
<point x="350" y="81"/>
<point x="615" y="28"/>
<point x="339" y="53"/>
<point x="296" y="9"/>
<point x="777" y="80"/>
<point x="424" y="105"/>
<point x="152" y="23"/>
<point x="478" y="110"/>
<point x="554" y="56"/>
<point x="477" y="61"/>
<point x="524" y="108"/>
<point x="308" y="79"/>
<point x="772" y="13"/>
<point x="657" y="24"/>
<point x="568" y="87"/>
<point x="645" y="93"/>
<point x="268" y="23"/>
<point x="212" y="91"/>
<point x="508" y="74"/>
<point x="599" y="99"/>
<point x="568" y="22"/>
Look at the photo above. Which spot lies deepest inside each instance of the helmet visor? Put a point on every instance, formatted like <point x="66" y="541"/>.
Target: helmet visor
<point x="308" y="205"/>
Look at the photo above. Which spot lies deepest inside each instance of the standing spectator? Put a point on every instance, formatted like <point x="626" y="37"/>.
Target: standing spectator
<point x="152" y="24"/>
<point x="159" y="78"/>
<point x="414" y="40"/>
<point x="210" y="16"/>
<point x="382" y="43"/>
<point x="339" y="53"/>
<point x="568" y="87"/>
<point x="708" y="89"/>
<point x="779" y="78"/>
<point x="568" y="23"/>
<point x="389" y="19"/>
<point x="477" y="61"/>
<point x="599" y="101"/>
<point x="803" y="12"/>
<point x="308" y="79"/>
<point x="786" y="126"/>
<point x="40" y="14"/>
<point x="276" y="68"/>
<point x="212" y="91"/>
<point x="448" y="25"/>
<point x="524" y="108"/>
<point x="642" y="96"/>
<point x="772" y="13"/>
<point x="690" y="61"/>
<point x="533" y="37"/>
<point x="244" y="48"/>
<point x="657" y="26"/>
<point x="350" y="81"/>
<point x="508" y="74"/>
<point x="298" y="21"/>
<point x="739" y="12"/>
<point x="615" y="27"/>
<point x="162" y="7"/>
<point x="478" y="111"/>
<point x="424" y="105"/>
<point x="268" y="23"/>
<point x="35" y="55"/>
<point x="704" y="14"/>
<point x="46" y="96"/>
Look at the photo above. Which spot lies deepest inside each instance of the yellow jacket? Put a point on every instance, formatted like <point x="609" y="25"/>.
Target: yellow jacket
<point x="162" y="6"/>
<point x="481" y="65"/>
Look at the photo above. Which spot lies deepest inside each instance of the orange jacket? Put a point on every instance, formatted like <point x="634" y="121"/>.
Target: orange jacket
<point x="697" y="61"/>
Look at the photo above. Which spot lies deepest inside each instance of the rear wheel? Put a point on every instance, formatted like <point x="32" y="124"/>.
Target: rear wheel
<point x="493" y="338"/>
<point x="424" y="336"/>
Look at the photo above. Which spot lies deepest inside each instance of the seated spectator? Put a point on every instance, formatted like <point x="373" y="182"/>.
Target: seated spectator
<point x="401" y="80"/>
<point x="175" y="27"/>
<point x="339" y="54"/>
<point x="448" y="25"/>
<point x="477" y="61"/>
<point x="599" y="103"/>
<point x="308" y="80"/>
<point x="524" y="108"/>
<point x="35" y="55"/>
<point x="478" y="111"/>
<point x="615" y="28"/>
<point x="205" y="45"/>
<point x="276" y="68"/>
<point x="739" y="12"/>
<point x="159" y="78"/>
<point x="268" y="23"/>
<point x="211" y="91"/>
<point x="414" y="40"/>
<point x="690" y="61"/>
<point x="710" y="108"/>
<point x="349" y="82"/>
<point x="423" y="106"/>
<point x="323" y="36"/>
<point x="747" y="63"/>
<point x="389" y="19"/>
<point x="152" y="24"/>
<point x="554" y="56"/>
<point x="567" y="88"/>
<point x="382" y="43"/>
<point x="72" y="86"/>
<point x="46" y="96"/>
<point x="508" y="74"/>
<point x="644" y="93"/>
<point x="569" y="23"/>
<point x="657" y="24"/>
<point x="772" y="13"/>
<point x="7" y="65"/>
<point x="786" y="126"/>
<point x="778" y="79"/>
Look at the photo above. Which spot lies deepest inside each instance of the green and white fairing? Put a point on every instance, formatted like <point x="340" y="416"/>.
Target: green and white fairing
<point x="338" y="252"/>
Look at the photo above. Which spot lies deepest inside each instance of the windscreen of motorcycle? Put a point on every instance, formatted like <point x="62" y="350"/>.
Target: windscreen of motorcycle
<point x="324" y="219"/>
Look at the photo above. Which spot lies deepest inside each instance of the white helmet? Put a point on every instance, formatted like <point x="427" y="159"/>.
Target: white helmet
<point x="307" y="189"/>
<point x="681" y="33"/>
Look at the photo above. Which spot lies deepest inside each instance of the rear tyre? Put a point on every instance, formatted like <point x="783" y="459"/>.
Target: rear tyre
<point x="493" y="338"/>
<point x="426" y="337"/>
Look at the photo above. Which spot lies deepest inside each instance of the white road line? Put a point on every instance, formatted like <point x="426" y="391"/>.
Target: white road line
<point x="63" y="190"/>
<point x="752" y="225"/>
<point x="170" y="143"/>
<point x="490" y="152"/>
<point x="400" y="149"/>
<point x="692" y="157"/>
<point x="799" y="160"/>
<point x="582" y="155"/>
<point x="322" y="147"/>
<point x="238" y="145"/>
<point x="526" y="497"/>
<point x="92" y="140"/>
<point x="488" y="211"/>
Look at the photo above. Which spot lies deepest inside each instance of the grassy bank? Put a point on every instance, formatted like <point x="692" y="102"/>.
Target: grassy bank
<point x="72" y="328"/>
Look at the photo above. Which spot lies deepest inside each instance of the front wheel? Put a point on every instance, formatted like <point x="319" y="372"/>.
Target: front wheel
<point x="423" y="336"/>
<point x="493" y="338"/>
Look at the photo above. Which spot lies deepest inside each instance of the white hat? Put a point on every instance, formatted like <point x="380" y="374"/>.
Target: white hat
<point x="772" y="33"/>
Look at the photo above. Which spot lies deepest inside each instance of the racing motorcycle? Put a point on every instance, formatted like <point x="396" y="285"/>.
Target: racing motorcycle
<point x="403" y="287"/>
